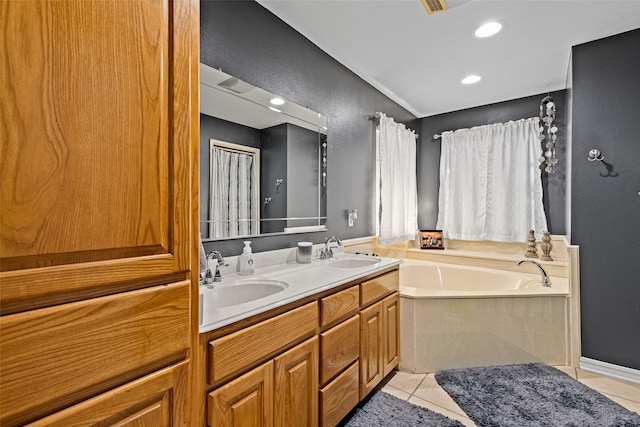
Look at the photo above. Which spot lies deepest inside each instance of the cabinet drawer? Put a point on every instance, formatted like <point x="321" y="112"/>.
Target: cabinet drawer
<point x="339" y="305"/>
<point x="339" y="397"/>
<point x="378" y="287"/>
<point x="58" y="355"/>
<point x="151" y="400"/>
<point x="339" y="346"/>
<point x="234" y="352"/>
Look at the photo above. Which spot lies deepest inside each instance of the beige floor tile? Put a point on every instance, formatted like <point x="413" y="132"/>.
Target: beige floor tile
<point x="569" y="370"/>
<point x="396" y="392"/>
<point x="406" y="381"/>
<point x="612" y="386"/>
<point x="629" y="404"/>
<point x="431" y="391"/>
<point x="435" y="408"/>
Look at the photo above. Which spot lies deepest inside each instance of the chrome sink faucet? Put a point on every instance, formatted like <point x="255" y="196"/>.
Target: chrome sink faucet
<point x="329" y="244"/>
<point x="209" y="276"/>
<point x="545" y="277"/>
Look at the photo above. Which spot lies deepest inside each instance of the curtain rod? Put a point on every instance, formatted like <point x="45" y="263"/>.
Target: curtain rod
<point x="376" y="116"/>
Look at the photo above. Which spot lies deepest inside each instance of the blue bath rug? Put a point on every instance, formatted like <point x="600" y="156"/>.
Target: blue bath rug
<point x="383" y="409"/>
<point x="531" y="395"/>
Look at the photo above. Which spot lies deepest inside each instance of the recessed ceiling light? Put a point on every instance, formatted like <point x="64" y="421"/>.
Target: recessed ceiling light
<point x="488" y="29"/>
<point x="471" y="79"/>
<point x="277" y="101"/>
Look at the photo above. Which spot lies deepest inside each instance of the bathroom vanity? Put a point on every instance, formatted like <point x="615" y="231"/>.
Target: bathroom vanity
<point x="310" y="353"/>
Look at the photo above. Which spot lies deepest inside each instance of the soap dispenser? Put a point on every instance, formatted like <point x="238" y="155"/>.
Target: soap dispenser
<point x="246" y="260"/>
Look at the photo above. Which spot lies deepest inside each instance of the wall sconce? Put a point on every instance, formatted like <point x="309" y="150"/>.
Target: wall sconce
<point x="595" y="155"/>
<point x="279" y="182"/>
<point x="267" y="200"/>
<point x="548" y="160"/>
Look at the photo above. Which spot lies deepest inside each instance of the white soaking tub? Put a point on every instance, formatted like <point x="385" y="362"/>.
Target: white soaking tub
<point x="457" y="316"/>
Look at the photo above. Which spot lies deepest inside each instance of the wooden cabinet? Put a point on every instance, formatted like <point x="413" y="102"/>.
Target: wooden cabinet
<point x="296" y="386"/>
<point x="246" y="401"/>
<point x="391" y="333"/>
<point x="306" y="364"/>
<point x="281" y="392"/>
<point x="371" y="348"/>
<point x="379" y="333"/>
<point x="99" y="154"/>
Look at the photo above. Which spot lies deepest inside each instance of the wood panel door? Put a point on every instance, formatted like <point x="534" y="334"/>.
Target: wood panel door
<point x="96" y="145"/>
<point x="391" y="340"/>
<point x="296" y="386"/>
<point x="244" y="402"/>
<point x="371" y="348"/>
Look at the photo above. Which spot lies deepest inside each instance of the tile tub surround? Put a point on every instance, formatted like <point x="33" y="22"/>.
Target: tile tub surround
<point x="303" y="280"/>
<point x="423" y="390"/>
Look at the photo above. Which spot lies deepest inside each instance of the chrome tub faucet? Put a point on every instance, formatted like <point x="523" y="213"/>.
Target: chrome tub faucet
<point x="545" y="277"/>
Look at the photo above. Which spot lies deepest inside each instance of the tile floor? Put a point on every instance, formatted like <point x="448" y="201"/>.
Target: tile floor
<point x="423" y="390"/>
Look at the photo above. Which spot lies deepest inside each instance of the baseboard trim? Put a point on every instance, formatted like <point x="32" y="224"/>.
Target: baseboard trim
<point x="610" y="370"/>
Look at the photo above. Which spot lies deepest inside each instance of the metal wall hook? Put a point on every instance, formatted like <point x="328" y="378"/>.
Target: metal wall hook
<point x="595" y="155"/>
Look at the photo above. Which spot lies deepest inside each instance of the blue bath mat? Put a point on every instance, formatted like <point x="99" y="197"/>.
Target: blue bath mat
<point x="531" y="395"/>
<point x="382" y="409"/>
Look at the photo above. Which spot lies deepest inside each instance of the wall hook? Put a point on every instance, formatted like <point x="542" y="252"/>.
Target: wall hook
<point x="595" y="155"/>
<point x="279" y="182"/>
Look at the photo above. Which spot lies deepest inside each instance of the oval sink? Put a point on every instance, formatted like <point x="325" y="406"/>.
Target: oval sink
<point x="354" y="262"/>
<point x="246" y="291"/>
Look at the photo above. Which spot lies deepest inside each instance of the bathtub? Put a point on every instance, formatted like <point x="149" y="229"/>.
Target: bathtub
<point x="457" y="316"/>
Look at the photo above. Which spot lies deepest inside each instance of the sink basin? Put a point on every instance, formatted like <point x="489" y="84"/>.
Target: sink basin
<point x="246" y="291"/>
<point x="354" y="262"/>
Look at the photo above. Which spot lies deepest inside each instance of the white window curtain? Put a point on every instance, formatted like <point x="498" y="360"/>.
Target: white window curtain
<point x="490" y="185"/>
<point x="398" y="206"/>
<point x="234" y="193"/>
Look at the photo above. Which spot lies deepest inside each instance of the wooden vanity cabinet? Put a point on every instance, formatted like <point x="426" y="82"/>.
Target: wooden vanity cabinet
<point x="308" y="364"/>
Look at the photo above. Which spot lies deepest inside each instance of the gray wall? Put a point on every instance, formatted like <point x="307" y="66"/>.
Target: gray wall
<point x="247" y="41"/>
<point x="429" y="154"/>
<point x="605" y="204"/>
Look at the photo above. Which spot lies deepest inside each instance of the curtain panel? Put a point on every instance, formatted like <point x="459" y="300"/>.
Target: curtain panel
<point x="490" y="184"/>
<point x="398" y="182"/>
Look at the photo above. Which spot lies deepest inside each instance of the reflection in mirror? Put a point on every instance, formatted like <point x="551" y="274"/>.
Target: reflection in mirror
<point x="265" y="170"/>
<point x="235" y="176"/>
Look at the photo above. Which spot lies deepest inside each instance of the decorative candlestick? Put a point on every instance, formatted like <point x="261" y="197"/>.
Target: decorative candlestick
<point x="546" y="247"/>
<point x="532" y="251"/>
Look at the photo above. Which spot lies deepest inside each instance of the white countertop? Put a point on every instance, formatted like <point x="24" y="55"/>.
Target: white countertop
<point x="303" y="280"/>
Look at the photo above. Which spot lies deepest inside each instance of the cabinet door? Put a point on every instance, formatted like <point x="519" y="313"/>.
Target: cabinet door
<point x="96" y="147"/>
<point x="391" y="321"/>
<point x="296" y="386"/>
<point x="244" y="402"/>
<point x="154" y="400"/>
<point x="371" y="348"/>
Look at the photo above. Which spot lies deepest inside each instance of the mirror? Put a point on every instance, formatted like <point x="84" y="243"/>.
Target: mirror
<point x="263" y="161"/>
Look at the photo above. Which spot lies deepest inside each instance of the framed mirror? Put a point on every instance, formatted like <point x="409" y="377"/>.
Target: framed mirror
<point x="263" y="161"/>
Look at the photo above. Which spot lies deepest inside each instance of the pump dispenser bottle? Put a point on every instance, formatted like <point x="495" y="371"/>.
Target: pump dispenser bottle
<point x="246" y="260"/>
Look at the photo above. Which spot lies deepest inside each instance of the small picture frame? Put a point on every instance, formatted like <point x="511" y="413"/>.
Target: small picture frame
<point x="431" y="239"/>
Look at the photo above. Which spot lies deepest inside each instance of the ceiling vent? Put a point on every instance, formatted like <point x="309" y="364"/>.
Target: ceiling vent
<point x="434" y="6"/>
<point x="236" y="85"/>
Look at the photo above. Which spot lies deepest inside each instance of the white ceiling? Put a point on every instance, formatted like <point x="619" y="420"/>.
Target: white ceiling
<point x="418" y="59"/>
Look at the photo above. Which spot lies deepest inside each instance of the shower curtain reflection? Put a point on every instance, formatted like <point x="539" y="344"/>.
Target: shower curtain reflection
<point x="234" y="191"/>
